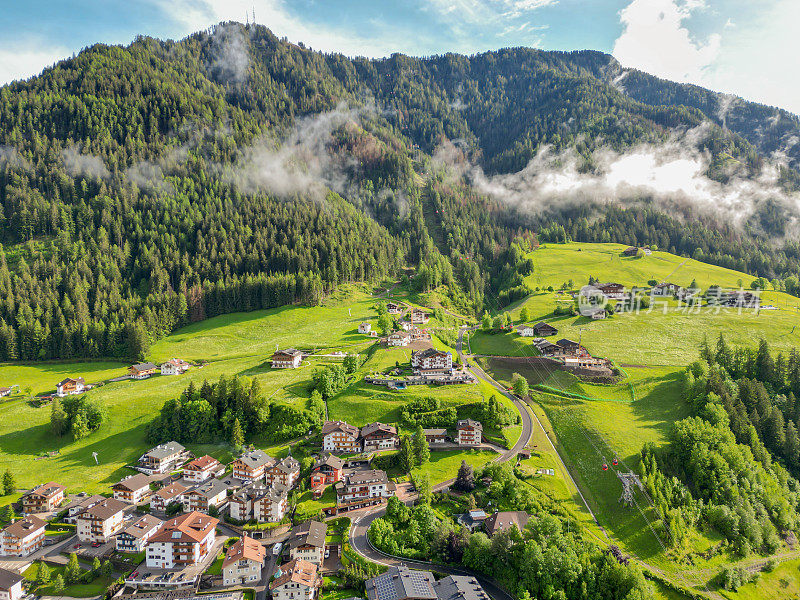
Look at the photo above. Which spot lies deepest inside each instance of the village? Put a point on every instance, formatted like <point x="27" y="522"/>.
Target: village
<point x="182" y="524"/>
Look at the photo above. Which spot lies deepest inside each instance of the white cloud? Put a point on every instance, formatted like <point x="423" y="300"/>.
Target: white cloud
<point x="20" y="60"/>
<point x="755" y="56"/>
<point x="656" y="40"/>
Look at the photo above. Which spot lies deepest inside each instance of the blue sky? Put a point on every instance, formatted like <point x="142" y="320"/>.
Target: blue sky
<point x="744" y="47"/>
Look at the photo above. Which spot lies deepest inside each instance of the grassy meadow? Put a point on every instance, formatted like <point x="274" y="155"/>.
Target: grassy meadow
<point x="651" y="337"/>
<point x="235" y="344"/>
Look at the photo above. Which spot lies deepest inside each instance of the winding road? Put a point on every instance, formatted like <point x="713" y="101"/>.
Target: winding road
<point x="359" y="541"/>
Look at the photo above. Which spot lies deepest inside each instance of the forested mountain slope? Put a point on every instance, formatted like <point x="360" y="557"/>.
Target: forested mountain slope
<point x="161" y="183"/>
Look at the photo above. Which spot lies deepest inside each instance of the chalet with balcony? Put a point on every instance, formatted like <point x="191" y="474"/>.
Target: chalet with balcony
<point x="142" y="370"/>
<point x="202" y="468"/>
<point x="251" y="465"/>
<point x="70" y="386"/>
<point x="134" y="489"/>
<point x="542" y="329"/>
<point x="162" y="459"/>
<point x="44" y="498"/>
<point x="431" y="360"/>
<point x="284" y="472"/>
<point x="210" y="493"/>
<point x="338" y="436"/>
<point x="327" y="470"/>
<point x="174" y="366"/>
<point x="307" y="542"/>
<point x="362" y="488"/>
<point x="435" y="436"/>
<point x="469" y="432"/>
<point x="379" y="436"/>
<point x="169" y="494"/>
<point x="296" y="580"/>
<point x="291" y="358"/>
<point x="134" y="537"/>
<point x="244" y="562"/>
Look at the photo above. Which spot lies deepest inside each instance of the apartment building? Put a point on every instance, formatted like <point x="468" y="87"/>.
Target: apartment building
<point x="307" y="542"/>
<point x="22" y="537"/>
<point x="101" y="521"/>
<point x="243" y="562"/>
<point x="134" y="537"/>
<point x="251" y="466"/>
<point x="181" y="541"/>
<point x="203" y="468"/>
<point x="133" y="490"/>
<point x="285" y="472"/>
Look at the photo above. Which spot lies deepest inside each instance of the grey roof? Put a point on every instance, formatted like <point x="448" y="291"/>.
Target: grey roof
<point x="565" y="343"/>
<point x="434" y="432"/>
<point x="401" y="583"/>
<point x="469" y="423"/>
<point x="9" y="579"/>
<point x="503" y="520"/>
<point x="363" y="477"/>
<point x="428" y="352"/>
<point x="310" y="533"/>
<point x="371" y="428"/>
<point x="330" y="460"/>
<point x="104" y="510"/>
<point x="459" y="587"/>
<point x="166" y="450"/>
<point x="332" y="426"/>
<point x="288" y="465"/>
<point x="210" y="489"/>
<point x="145" y="366"/>
<point x="255" y="459"/>
<point x="289" y="352"/>
<point x="142" y="526"/>
<point x="134" y="482"/>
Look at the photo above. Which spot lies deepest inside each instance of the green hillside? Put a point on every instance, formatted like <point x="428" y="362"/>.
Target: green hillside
<point x="651" y="337"/>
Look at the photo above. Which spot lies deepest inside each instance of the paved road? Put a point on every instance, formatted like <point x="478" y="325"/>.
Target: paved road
<point x="361" y="544"/>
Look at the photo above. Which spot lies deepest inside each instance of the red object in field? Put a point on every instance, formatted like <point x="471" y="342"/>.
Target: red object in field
<point x="605" y="467"/>
<point x="615" y="462"/>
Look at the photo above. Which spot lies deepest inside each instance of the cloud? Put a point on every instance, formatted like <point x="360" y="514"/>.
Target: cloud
<point x="22" y="59"/>
<point x="149" y="176"/>
<point x="654" y="39"/>
<point x="83" y="165"/>
<point x="10" y="156"/>
<point x="230" y="54"/>
<point x="301" y="163"/>
<point x="672" y="174"/>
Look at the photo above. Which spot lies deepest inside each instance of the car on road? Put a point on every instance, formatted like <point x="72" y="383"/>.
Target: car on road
<point x="276" y="549"/>
<point x="96" y="544"/>
<point x="327" y="552"/>
<point x="77" y="545"/>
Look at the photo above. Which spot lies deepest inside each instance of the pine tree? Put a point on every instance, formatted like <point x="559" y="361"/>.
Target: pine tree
<point x="9" y="483"/>
<point x="465" y="480"/>
<point x="520" y="385"/>
<point x="43" y="574"/>
<point x="524" y="317"/>
<point x="72" y="572"/>
<point x="422" y="453"/>
<point x="237" y="435"/>
<point x="107" y="569"/>
<point x="58" y="584"/>
<point x="406" y="455"/>
<point x="59" y="422"/>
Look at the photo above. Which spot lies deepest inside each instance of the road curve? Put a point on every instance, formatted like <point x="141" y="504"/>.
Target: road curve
<point x="359" y="541"/>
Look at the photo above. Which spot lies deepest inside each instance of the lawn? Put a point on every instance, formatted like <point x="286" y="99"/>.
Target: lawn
<point x="42" y="377"/>
<point x="444" y="464"/>
<point x="308" y="507"/>
<point x="75" y="590"/>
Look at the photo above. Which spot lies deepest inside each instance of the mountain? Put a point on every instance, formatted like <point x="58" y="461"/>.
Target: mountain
<point x="148" y="186"/>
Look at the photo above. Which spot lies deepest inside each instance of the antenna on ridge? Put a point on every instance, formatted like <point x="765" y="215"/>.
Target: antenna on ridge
<point x="254" y="15"/>
<point x="246" y="18"/>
